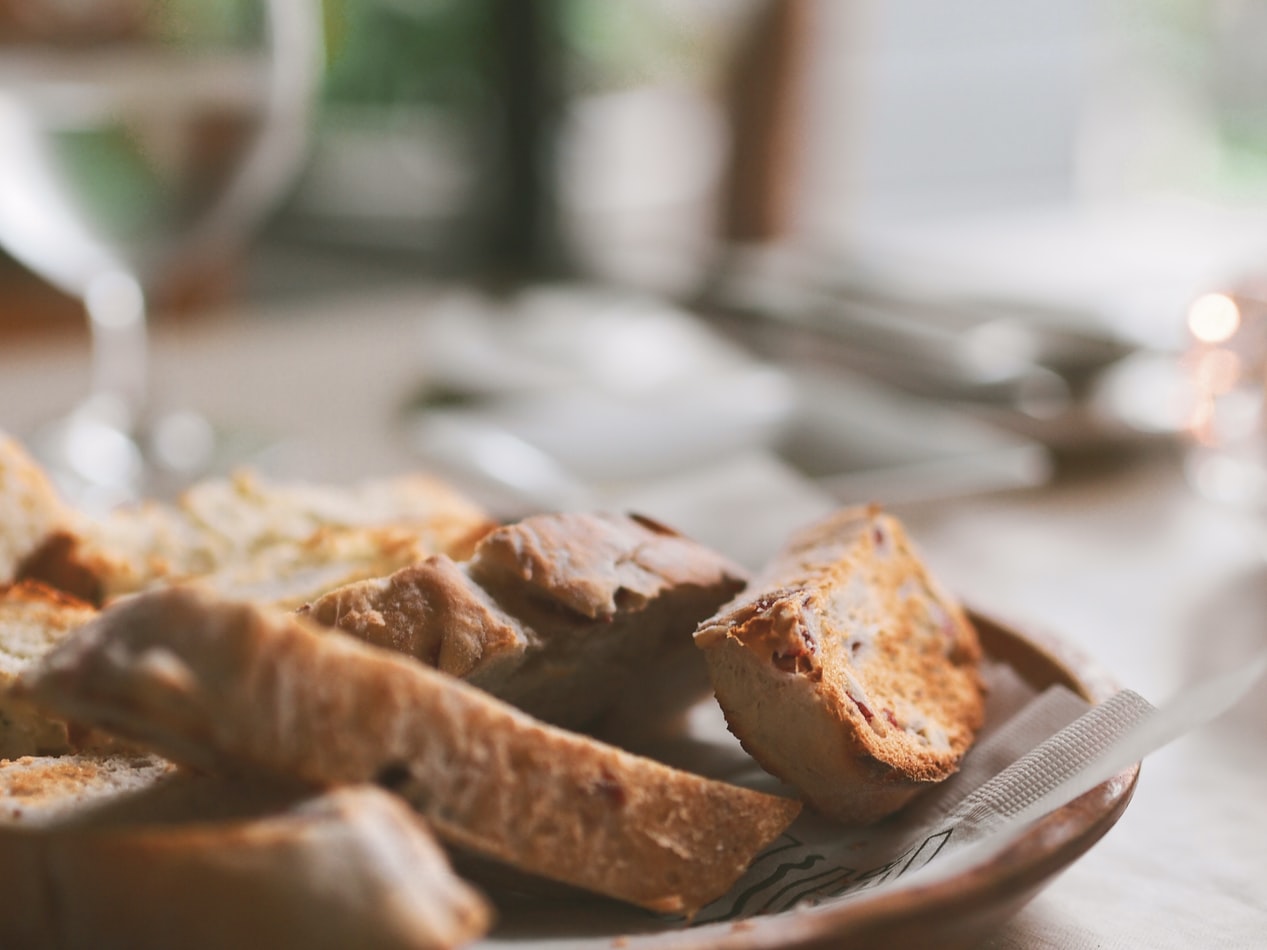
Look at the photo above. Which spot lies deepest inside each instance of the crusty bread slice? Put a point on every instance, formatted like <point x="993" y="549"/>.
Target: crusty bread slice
<point x="212" y="684"/>
<point x="30" y="508"/>
<point x="121" y="853"/>
<point x="249" y="511"/>
<point x="33" y="619"/>
<point x="251" y="538"/>
<point x="430" y="611"/>
<point x="45" y="791"/>
<point x="287" y="542"/>
<point x="560" y="615"/>
<point x="844" y="669"/>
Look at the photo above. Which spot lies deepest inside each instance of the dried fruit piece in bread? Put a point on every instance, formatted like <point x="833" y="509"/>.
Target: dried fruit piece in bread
<point x="845" y="670"/>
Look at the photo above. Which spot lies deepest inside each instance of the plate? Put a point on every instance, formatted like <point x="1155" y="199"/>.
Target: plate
<point x="953" y="912"/>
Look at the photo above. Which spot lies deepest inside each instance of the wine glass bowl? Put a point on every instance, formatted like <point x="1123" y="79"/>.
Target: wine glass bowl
<point x="140" y="140"/>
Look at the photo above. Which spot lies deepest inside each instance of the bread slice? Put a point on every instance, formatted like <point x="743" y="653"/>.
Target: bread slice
<point x="30" y="508"/>
<point x="216" y="684"/>
<point x="406" y="514"/>
<point x="276" y="542"/>
<point x="844" y="669"/>
<point x="561" y="615"/>
<point x="432" y="612"/>
<point x="33" y="619"/>
<point x="47" y="791"/>
<point x="136" y="854"/>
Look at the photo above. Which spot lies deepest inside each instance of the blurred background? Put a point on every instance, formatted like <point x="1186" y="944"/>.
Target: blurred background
<point x="998" y="264"/>
<point x="975" y="233"/>
<point x="614" y="133"/>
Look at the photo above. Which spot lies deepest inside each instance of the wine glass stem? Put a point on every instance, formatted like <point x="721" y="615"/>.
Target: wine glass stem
<point x="120" y="345"/>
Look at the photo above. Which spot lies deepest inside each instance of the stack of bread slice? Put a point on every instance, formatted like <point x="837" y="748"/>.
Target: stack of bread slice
<point x="103" y="844"/>
<point x="286" y="695"/>
<point x="282" y="543"/>
<point x="214" y="682"/>
<point x="222" y="686"/>
<point x="568" y="617"/>
<point x="127" y="852"/>
<point x="106" y="844"/>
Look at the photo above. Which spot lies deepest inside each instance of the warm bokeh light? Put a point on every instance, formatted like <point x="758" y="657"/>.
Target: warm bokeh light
<point x="1214" y="318"/>
<point x="1218" y="371"/>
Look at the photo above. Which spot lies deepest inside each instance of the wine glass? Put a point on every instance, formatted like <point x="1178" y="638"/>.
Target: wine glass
<point x="139" y="138"/>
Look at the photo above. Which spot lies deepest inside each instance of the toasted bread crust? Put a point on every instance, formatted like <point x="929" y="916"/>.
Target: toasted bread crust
<point x="597" y="565"/>
<point x="846" y="671"/>
<point x="351" y="867"/>
<point x="33" y="619"/>
<point x="132" y="852"/>
<point x="280" y="543"/>
<point x="561" y="615"/>
<point x="432" y="611"/>
<point x="214" y="684"/>
<point x="31" y="505"/>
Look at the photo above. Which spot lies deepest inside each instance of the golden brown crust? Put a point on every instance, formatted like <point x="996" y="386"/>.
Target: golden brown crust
<point x="30" y="508"/>
<point x="353" y="867"/>
<point x="65" y="562"/>
<point x="118" y="852"/>
<point x="561" y="615"/>
<point x="33" y="619"/>
<point x="211" y="683"/>
<point x="431" y="611"/>
<point x="597" y="564"/>
<point x="39" y="595"/>
<point x="846" y="671"/>
<point x="282" y="543"/>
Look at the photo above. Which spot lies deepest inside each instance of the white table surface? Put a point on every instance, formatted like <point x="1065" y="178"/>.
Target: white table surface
<point x="1157" y="585"/>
